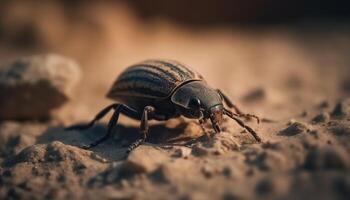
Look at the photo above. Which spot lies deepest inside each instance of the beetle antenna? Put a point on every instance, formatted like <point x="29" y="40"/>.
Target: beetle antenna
<point x="241" y="123"/>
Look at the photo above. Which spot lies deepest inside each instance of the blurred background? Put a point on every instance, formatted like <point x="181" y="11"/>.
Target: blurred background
<point x="286" y="61"/>
<point x="293" y="52"/>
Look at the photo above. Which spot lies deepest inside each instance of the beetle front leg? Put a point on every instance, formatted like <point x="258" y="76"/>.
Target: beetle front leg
<point x="230" y="104"/>
<point x="144" y="127"/>
<point x="119" y="108"/>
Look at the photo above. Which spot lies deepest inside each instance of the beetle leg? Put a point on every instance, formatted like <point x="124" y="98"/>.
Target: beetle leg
<point x="119" y="108"/>
<point x="144" y="128"/>
<point x="99" y="116"/>
<point x="241" y="123"/>
<point x="230" y="104"/>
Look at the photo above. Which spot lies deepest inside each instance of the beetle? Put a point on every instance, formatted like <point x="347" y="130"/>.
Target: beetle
<point x="164" y="89"/>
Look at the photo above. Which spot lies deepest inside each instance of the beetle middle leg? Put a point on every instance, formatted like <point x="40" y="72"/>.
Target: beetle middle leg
<point x="230" y="104"/>
<point x="144" y="127"/>
<point x="119" y="108"/>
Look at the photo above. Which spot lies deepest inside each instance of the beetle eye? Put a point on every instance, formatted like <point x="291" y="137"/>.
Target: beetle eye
<point x="194" y="103"/>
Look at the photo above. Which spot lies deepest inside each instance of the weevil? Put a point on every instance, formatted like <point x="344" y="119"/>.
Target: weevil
<point x="164" y="89"/>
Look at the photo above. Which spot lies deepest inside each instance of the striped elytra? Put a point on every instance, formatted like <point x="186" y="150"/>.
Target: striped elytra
<point x="152" y="79"/>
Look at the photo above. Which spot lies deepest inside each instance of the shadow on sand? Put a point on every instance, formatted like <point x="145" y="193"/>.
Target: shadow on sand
<point x="114" y="148"/>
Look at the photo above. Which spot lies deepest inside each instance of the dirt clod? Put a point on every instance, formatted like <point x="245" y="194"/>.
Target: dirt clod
<point x="294" y="129"/>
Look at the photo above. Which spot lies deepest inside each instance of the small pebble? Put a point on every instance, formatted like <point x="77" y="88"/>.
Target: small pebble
<point x="321" y="118"/>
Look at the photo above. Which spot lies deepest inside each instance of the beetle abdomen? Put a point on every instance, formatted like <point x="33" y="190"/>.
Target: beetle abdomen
<point x="151" y="79"/>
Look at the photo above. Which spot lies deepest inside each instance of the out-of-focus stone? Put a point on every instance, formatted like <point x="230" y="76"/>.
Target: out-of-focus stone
<point x="31" y="87"/>
<point x="294" y="129"/>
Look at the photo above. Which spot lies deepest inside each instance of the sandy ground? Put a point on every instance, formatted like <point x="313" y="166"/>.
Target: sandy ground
<point x="286" y="75"/>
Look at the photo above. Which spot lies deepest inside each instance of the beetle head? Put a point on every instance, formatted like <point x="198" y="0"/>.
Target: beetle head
<point x="214" y="113"/>
<point x="197" y="100"/>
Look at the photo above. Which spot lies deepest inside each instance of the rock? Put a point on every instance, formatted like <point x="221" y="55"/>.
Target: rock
<point x="31" y="87"/>
<point x="321" y="118"/>
<point x="294" y="129"/>
<point x="342" y="109"/>
<point x="143" y="159"/>
<point x="329" y="158"/>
